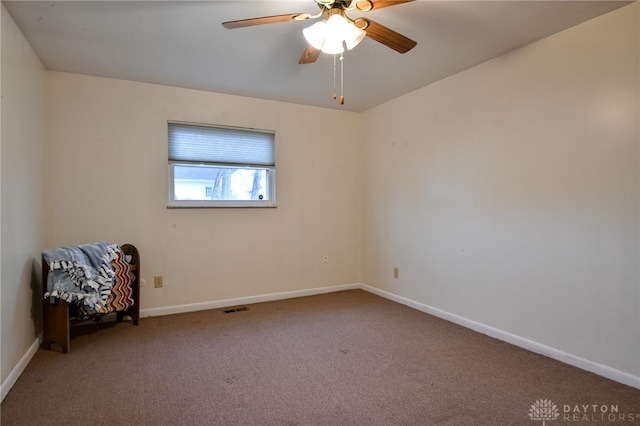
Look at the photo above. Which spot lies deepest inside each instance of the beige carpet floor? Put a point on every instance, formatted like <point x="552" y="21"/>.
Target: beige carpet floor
<point x="345" y="358"/>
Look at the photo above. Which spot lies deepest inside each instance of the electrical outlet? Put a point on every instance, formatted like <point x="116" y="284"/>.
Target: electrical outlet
<point x="396" y="272"/>
<point x="157" y="281"/>
<point x="325" y="258"/>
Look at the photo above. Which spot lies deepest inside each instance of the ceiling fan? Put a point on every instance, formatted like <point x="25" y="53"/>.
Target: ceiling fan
<point x="329" y="9"/>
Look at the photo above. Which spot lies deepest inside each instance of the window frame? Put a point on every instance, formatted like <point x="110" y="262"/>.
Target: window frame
<point x="270" y="175"/>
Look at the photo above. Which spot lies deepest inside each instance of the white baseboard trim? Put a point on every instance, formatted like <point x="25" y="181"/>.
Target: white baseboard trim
<point x="584" y="364"/>
<point x="224" y="303"/>
<point x="530" y="345"/>
<point x="12" y="378"/>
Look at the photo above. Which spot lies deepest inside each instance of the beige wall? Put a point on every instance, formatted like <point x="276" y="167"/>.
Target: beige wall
<point x="108" y="181"/>
<point x="23" y="166"/>
<point x="508" y="194"/>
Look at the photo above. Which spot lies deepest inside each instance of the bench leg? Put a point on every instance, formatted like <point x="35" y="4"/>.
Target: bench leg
<point x="55" y="327"/>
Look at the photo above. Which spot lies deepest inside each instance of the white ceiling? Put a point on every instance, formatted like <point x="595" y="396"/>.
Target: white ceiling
<point x="183" y="44"/>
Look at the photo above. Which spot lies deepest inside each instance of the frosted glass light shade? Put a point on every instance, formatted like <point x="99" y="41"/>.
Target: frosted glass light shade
<point x="329" y="36"/>
<point x="353" y="35"/>
<point x="315" y="34"/>
<point x="332" y="45"/>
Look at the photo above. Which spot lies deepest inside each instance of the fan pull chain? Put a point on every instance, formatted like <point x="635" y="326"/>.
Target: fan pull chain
<point x="334" y="77"/>
<point x="342" y="79"/>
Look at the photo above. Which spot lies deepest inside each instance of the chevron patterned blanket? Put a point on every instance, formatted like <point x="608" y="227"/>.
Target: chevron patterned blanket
<point x="121" y="297"/>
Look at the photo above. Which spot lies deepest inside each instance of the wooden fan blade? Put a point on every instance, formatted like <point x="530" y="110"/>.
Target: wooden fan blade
<point x="259" y="21"/>
<point x="309" y="55"/>
<point x="386" y="36"/>
<point x="367" y="5"/>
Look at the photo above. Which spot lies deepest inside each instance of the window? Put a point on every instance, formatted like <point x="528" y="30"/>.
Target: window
<point x="216" y="166"/>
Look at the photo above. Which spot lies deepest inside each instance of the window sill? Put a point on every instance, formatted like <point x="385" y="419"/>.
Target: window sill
<point x="234" y="205"/>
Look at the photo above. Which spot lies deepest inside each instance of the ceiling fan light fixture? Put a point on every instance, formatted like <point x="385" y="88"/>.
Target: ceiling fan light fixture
<point x="337" y="32"/>
<point x="329" y="36"/>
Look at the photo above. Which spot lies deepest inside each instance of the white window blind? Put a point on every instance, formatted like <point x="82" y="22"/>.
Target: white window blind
<point x="221" y="145"/>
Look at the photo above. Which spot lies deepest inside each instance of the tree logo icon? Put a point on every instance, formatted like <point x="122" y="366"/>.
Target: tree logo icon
<point x="543" y="409"/>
